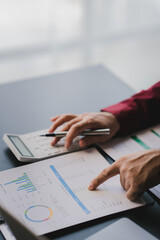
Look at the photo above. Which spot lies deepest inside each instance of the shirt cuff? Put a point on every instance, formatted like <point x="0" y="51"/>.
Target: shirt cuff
<point x="125" y="115"/>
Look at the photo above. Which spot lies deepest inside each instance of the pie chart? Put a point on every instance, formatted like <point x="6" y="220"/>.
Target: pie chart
<point x="38" y="213"/>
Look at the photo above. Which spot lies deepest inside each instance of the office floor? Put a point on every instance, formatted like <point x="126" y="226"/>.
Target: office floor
<point x="40" y="37"/>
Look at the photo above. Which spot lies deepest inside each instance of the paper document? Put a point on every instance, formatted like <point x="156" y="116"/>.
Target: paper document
<point x="52" y="194"/>
<point x="143" y="140"/>
<point x="5" y="230"/>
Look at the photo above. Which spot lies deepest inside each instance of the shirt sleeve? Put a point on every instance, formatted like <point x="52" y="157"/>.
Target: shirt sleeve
<point x="138" y="112"/>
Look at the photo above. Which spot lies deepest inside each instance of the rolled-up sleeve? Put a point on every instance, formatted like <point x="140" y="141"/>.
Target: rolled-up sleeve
<point x="138" y="112"/>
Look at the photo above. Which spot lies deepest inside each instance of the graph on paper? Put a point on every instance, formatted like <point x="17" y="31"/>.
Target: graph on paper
<point x="52" y="194"/>
<point x="38" y="213"/>
<point x="23" y="183"/>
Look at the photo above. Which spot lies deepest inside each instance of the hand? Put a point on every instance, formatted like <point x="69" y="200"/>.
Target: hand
<point x="138" y="172"/>
<point x="75" y="124"/>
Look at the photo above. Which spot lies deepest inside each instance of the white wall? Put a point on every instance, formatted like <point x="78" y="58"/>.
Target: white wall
<point x="39" y="37"/>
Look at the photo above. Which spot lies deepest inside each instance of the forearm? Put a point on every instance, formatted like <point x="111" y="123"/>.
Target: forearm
<point x="138" y="112"/>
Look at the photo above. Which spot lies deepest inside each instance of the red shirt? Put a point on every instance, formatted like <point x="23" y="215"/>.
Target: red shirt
<point x="138" y="112"/>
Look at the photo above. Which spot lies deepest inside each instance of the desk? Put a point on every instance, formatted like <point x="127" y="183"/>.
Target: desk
<point x="27" y="106"/>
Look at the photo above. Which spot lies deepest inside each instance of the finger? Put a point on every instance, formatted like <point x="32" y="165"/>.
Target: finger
<point x="126" y="185"/>
<point x="77" y="128"/>
<point x="52" y="119"/>
<point x="64" y="128"/>
<point x="70" y="123"/>
<point x="61" y="120"/>
<point x="55" y="140"/>
<point x="107" y="173"/>
<point x="74" y="131"/>
<point x="86" y="141"/>
<point x="133" y="194"/>
<point x="122" y="180"/>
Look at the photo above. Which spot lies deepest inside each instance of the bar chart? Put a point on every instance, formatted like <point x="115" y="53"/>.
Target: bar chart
<point x="23" y="183"/>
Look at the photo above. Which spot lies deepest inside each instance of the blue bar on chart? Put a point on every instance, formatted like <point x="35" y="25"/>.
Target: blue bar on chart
<point x="25" y="183"/>
<point x="69" y="190"/>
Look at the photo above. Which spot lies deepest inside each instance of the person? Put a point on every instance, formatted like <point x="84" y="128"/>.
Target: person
<point x="138" y="171"/>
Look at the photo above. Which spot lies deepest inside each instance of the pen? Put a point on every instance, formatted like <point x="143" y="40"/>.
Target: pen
<point x="97" y="132"/>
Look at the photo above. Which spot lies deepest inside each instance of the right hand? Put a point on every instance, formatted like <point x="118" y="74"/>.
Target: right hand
<point x="138" y="172"/>
<point x="76" y="124"/>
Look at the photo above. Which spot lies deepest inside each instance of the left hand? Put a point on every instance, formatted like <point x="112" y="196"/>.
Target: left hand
<point x="138" y="172"/>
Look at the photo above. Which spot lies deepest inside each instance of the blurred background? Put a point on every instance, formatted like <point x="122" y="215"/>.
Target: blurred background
<point x="39" y="37"/>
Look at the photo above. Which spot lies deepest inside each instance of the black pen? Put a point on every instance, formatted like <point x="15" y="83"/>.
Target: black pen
<point x="96" y="132"/>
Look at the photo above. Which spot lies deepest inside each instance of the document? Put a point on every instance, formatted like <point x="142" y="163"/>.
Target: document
<point x="52" y="194"/>
<point x="5" y="230"/>
<point x="143" y="140"/>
